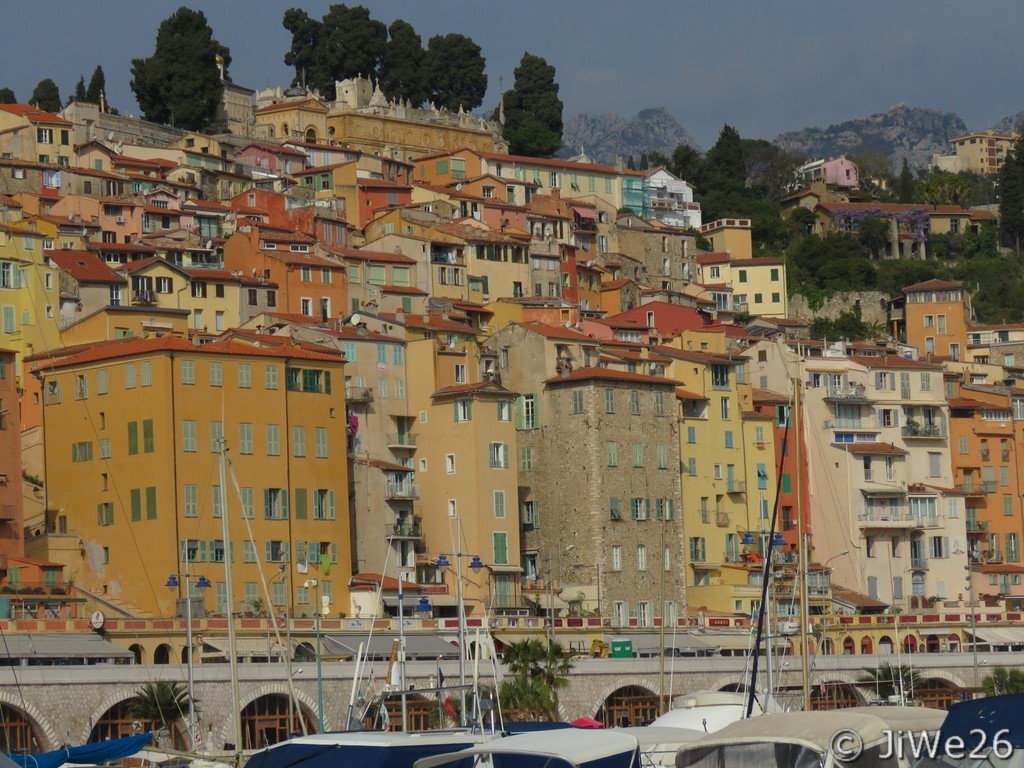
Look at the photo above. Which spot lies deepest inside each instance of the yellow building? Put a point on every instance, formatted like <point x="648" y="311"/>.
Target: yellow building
<point x="728" y="474"/>
<point x="758" y="285"/>
<point x="730" y="236"/>
<point x="29" y="294"/>
<point x="980" y="152"/>
<point x="132" y="430"/>
<point x="29" y="133"/>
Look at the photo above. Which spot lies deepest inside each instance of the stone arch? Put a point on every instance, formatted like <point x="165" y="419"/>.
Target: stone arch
<point x="307" y="706"/>
<point x="937" y="692"/>
<point x="836" y="694"/>
<point x="623" y="682"/>
<point x="40" y="725"/>
<point x="629" y="705"/>
<point x="110" y="700"/>
<point x="849" y="646"/>
<point x="310" y="135"/>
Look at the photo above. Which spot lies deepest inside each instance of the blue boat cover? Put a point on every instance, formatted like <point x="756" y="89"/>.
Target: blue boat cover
<point x="991" y="715"/>
<point x="88" y="754"/>
<point x="333" y="755"/>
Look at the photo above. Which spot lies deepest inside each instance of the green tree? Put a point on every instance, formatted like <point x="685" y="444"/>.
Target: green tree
<point x="538" y="671"/>
<point x="162" y="703"/>
<point x="533" y="111"/>
<point x="46" y="96"/>
<point x="886" y="678"/>
<point x="97" y="85"/>
<point x="943" y="188"/>
<point x="1011" y="196"/>
<point x="401" y="74"/>
<point x="724" y="165"/>
<point x="180" y="83"/>
<point x="306" y="32"/>
<point x="769" y="168"/>
<point x="686" y="163"/>
<point x="7" y="96"/>
<point x="79" y="90"/>
<point x="1003" y="681"/>
<point x="874" y="234"/>
<point x="455" y="67"/>
<point x="905" y="189"/>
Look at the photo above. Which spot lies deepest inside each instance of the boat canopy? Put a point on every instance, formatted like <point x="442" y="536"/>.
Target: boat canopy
<point x="991" y="715"/>
<point x="367" y="749"/>
<point x="574" y="747"/>
<point x="88" y="754"/>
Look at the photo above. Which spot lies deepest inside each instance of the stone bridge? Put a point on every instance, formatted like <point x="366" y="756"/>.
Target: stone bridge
<point x="62" y="703"/>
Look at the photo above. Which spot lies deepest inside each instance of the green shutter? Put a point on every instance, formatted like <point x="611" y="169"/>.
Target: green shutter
<point x="785" y="483"/>
<point x="334" y="552"/>
<point x="284" y="503"/>
<point x="151" y="503"/>
<point x="536" y="410"/>
<point x="136" y="504"/>
<point x="133" y="438"/>
<point x="300" y="503"/>
<point x="268" y="510"/>
<point x="327" y="382"/>
<point x="520" y="413"/>
<point x="330" y="505"/>
<point x="147" y="436"/>
<point x="268" y="556"/>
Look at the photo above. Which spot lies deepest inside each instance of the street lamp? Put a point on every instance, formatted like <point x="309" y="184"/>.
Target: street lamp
<point x="201" y="583"/>
<point x="475" y="564"/>
<point x="319" y="667"/>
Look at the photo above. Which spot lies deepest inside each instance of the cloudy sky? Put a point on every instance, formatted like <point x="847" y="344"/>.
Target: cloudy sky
<point x="765" y="66"/>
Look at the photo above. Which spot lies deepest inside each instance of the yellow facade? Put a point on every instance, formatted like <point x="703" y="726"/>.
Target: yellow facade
<point x="758" y="285"/>
<point x="131" y="430"/>
<point x="213" y="301"/>
<point x="29" y="295"/>
<point x="730" y="236"/>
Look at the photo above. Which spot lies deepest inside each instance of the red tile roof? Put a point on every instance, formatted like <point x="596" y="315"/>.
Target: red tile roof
<point x="34" y="114"/>
<point x="556" y="332"/>
<point x="362" y="254"/>
<point x="465" y="389"/>
<point x="719" y="257"/>
<point x="879" y="449"/>
<point x="407" y="290"/>
<point x="608" y="374"/>
<point x="120" y="248"/>
<point x="933" y="285"/>
<point x="682" y="394"/>
<point x="84" y="267"/>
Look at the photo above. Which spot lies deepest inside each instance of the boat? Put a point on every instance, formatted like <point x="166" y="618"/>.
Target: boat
<point x="986" y="731"/>
<point x="660" y="744"/>
<point x="558" y="748"/>
<point x="366" y="749"/>
<point x="858" y="737"/>
<point x="706" y="711"/>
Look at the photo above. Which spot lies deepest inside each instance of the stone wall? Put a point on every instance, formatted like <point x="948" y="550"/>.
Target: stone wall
<point x="874" y="307"/>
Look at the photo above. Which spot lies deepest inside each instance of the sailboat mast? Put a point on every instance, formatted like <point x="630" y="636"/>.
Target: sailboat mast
<point x="236" y="713"/>
<point x="803" y="554"/>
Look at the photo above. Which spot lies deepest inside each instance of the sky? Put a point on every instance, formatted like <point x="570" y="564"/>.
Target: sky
<point x="763" y="66"/>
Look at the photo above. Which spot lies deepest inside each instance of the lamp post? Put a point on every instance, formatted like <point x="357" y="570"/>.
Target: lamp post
<point x="201" y="583"/>
<point x="315" y="584"/>
<point x="475" y="564"/>
<point x="974" y="633"/>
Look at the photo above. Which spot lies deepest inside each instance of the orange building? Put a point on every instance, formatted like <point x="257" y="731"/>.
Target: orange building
<point x="937" y="315"/>
<point x="11" y="514"/>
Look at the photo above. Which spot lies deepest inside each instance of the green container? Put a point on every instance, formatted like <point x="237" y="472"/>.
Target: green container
<point x="5" y="607"/>
<point x="622" y="649"/>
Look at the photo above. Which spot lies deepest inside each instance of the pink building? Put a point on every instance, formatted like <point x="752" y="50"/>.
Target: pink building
<point x="836" y="172"/>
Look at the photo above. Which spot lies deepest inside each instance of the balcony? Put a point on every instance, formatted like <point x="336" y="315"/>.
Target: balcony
<point x="868" y="423"/>
<point x="722" y="519"/>
<point x="584" y="225"/>
<point x="406" y="531"/>
<point x="735" y="486"/>
<point x="358" y="394"/>
<point x="975" y="488"/>
<point x="848" y="393"/>
<point x="402" y="441"/>
<point x="925" y="431"/>
<point x="977" y="526"/>
<point x="879" y="519"/>
<point x="451" y="259"/>
<point x="401" y="491"/>
<point x="919" y="563"/>
<point x="143" y="297"/>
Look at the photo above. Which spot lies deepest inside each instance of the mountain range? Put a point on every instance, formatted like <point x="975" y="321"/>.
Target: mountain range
<point x="913" y="133"/>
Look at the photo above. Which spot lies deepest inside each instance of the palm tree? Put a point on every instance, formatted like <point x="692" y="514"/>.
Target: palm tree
<point x="162" y="703"/>
<point x="885" y="680"/>
<point x="1003" y="681"/>
<point x="539" y="671"/>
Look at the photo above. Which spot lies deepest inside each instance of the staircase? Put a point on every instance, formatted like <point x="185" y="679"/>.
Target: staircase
<point x="112" y="606"/>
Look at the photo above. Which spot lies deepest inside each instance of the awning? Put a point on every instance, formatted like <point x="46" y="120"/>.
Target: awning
<point x="62" y="646"/>
<point x="505" y="568"/>
<point x="1000" y="635"/>
<point x="585" y="213"/>
<point x="245" y="647"/>
<point x="379" y="646"/>
<point x="410" y="602"/>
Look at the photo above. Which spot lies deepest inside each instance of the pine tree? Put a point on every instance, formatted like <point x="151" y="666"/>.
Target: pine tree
<point x="905" y="193"/>
<point x="1011" y="196"/>
<point x="7" y="96"/>
<point x="46" y="96"/>
<point x="533" y="110"/>
<point x="401" y="74"/>
<point x="180" y="83"/>
<point x="455" y="67"/>
<point x="97" y="86"/>
<point x="79" y="90"/>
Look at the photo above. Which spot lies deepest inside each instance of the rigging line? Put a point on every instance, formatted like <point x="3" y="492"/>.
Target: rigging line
<point x="766" y="574"/>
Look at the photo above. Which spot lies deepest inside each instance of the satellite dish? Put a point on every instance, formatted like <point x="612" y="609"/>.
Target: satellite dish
<point x="355" y="319"/>
<point x="209" y="244"/>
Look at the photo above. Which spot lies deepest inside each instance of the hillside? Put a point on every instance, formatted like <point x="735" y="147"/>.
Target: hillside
<point x="604" y="137"/>
<point x="1009" y="124"/>
<point x="903" y="131"/>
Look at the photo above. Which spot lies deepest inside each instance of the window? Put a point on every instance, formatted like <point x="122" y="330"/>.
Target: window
<point x="638" y="509"/>
<point x="146" y="373"/>
<point x="500" y="548"/>
<point x="275" y="504"/>
<point x="526" y="412"/>
<point x="577" y="402"/>
<point x="612" y="449"/>
<point x="245" y="440"/>
<point x="320" y="442"/>
<point x="499" y="504"/>
<point x="526" y="459"/>
<point x="460" y="373"/>
<point x="189" y="442"/>
<point x="323" y="504"/>
<point x="659" y="403"/>
<point x="188" y="372"/>
<point x="464" y="410"/>
<point x="609" y="401"/>
<point x="129" y="376"/>
<point x="725" y="408"/>
<point x="81" y="451"/>
<point x="638" y="454"/>
<point x="498" y="455"/>
<point x="634" y="402"/>
<point x="273" y="440"/>
<point x="641" y="558"/>
<point x="298" y="442"/>
<point x="614" y="509"/>
<point x="216" y="374"/>
<point x="616" y="557"/>
<point x="662" y="451"/>
<point x="245" y="376"/>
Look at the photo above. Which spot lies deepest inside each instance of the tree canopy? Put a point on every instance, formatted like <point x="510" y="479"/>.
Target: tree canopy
<point x="455" y="67"/>
<point x="538" y="672"/>
<point x="46" y="96"/>
<point x="1011" y="196"/>
<point x="402" y="74"/>
<point x="97" y="85"/>
<point x="180" y="83"/>
<point x="533" y="110"/>
<point x="7" y="96"/>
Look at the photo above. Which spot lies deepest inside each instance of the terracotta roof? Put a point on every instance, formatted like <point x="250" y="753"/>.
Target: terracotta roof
<point x="556" y="332"/>
<point x="390" y="466"/>
<point x="718" y="257"/>
<point x="277" y="149"/>
<point x="407" y="290"/>
<point x="613" y="285"/>
<point x="933" y="285"/>
<point x="109" y="350"/>
<point x="84" y="266"/>
<point x="767" y="396"/>
<point x="387" y="583"/>
<point x="967" y="404"/>
<point x="432" y="322"/>
<point x="895" y="361"/>
<point x="120" y="248"/>
<point x="608" y="374"/>
<point x="362" y="254"/>
<point x="682" y="394"/>
<point x="465" y="389"/>
<point x="855" y="598"/>
<point x="33" y="114"/>
<point x="553" y="163"/>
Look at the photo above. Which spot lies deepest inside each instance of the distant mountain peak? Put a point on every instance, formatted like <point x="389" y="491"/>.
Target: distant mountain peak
<point x="609" y="135"/>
